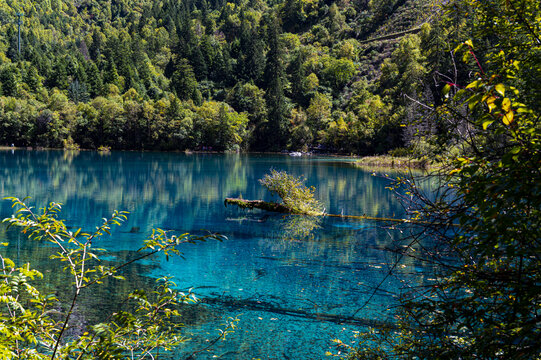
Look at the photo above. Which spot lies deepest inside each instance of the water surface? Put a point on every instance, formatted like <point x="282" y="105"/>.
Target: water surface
<point x="294" y="282"/>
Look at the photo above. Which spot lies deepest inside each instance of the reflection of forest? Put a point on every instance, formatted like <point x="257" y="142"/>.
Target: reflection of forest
<point x="148" y="185"/>
<point x="151" y="184"/>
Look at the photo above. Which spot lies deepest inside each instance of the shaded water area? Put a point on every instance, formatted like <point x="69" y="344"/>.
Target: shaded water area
<point x="295" y="283"/>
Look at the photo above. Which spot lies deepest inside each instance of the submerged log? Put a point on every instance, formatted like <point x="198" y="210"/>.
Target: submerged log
<point x="280" y="208"/>
<point x="258" y="204"/>
<point x="258" y="305"/>
<point x="364" y="217"/>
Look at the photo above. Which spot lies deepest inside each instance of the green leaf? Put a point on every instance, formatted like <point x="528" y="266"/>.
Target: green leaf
<point x="508" y="117"/>
<point x="487" y="123"/>
<point x="458" y="47"/>
<point x="446" y="89"/>
<point x="516" y="150"/>
<point x="473" y="84"/>
<point x="500" y="89"/>
<point x="506" y="104"/>
<point x="474" y="100"/>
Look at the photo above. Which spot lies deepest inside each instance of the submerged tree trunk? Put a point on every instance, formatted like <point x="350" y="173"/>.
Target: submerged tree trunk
<point x="258" y="204"/>
<point x="280" y="208"/>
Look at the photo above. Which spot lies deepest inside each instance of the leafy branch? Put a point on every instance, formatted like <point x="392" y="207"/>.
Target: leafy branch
<point x="150" y="323"/>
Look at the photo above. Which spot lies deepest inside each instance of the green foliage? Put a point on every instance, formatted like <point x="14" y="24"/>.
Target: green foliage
<point x="402" y="72"/>
<point x="319" y="112"/>
<point x="339" y="72"/>
<point x="69" y="144"/>
<point x="221" y="127"/>
<point x="250" y="99"/>
<point x="8" y="79"/>
<point x="514" y="27"/>
<point x="33" y="328"/>
<point x="301" y="134"/>
<point x="78" y="92"/>
<point x="123" y="122"/>
<point x="370" y="126"/>
<point x="485" y="301"/>
<point x="294" y="194"/>
<point x="183" y="81"/>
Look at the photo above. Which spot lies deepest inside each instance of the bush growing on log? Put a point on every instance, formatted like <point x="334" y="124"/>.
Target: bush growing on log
<point x="294" y="194"/>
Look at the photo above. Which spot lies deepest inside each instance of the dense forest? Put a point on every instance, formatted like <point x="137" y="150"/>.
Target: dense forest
<point x="333" y="76"/>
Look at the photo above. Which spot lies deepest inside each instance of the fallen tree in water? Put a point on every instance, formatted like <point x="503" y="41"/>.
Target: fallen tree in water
<point x="280" y="208"/>
<point x="258" y="204"/>
<point x="297" y="199"/>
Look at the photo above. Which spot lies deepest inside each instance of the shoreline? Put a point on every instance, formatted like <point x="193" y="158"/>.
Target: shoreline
<point x="376" y="161"/>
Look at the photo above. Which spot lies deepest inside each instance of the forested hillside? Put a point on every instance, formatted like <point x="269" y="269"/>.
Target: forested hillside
<point x="248" y="75"/>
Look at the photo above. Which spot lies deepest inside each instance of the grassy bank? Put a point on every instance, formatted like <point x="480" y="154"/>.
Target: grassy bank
<point x="394" y="162"/>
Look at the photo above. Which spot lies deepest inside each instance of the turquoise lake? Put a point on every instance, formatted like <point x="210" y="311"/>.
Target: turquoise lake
<point x="295" y="283"/>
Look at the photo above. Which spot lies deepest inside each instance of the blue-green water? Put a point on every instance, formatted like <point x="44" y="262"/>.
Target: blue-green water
<point x="295" y="283"/>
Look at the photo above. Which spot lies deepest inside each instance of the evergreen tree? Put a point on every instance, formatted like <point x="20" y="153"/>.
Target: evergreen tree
<point x="186" y="37"/>
<point x="78" y="92"/>
<point x="275" y="132"/>
<point x="222" y="68"/>
<point x="207" y="21"/>
<point x="96" y="48"/>
<point x="111" y="74"/>
<point x="293" y="15"/>
<point x="183" y="82"/>
<point x="8" y="79"/>
<point x="71" y="66"/>
<point x="298" y="76"/>
<point x="254" y="62"/>
<point x="199" y="64"/>
<point x="145" y="74"/>
<point x="12" y="51"/>
<point x="32" y="79"/>
<point x="80" y="72"/>
<point x="208" y="52"/>
<point x="59" y="76"/>
<point x="94" y="80"/>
